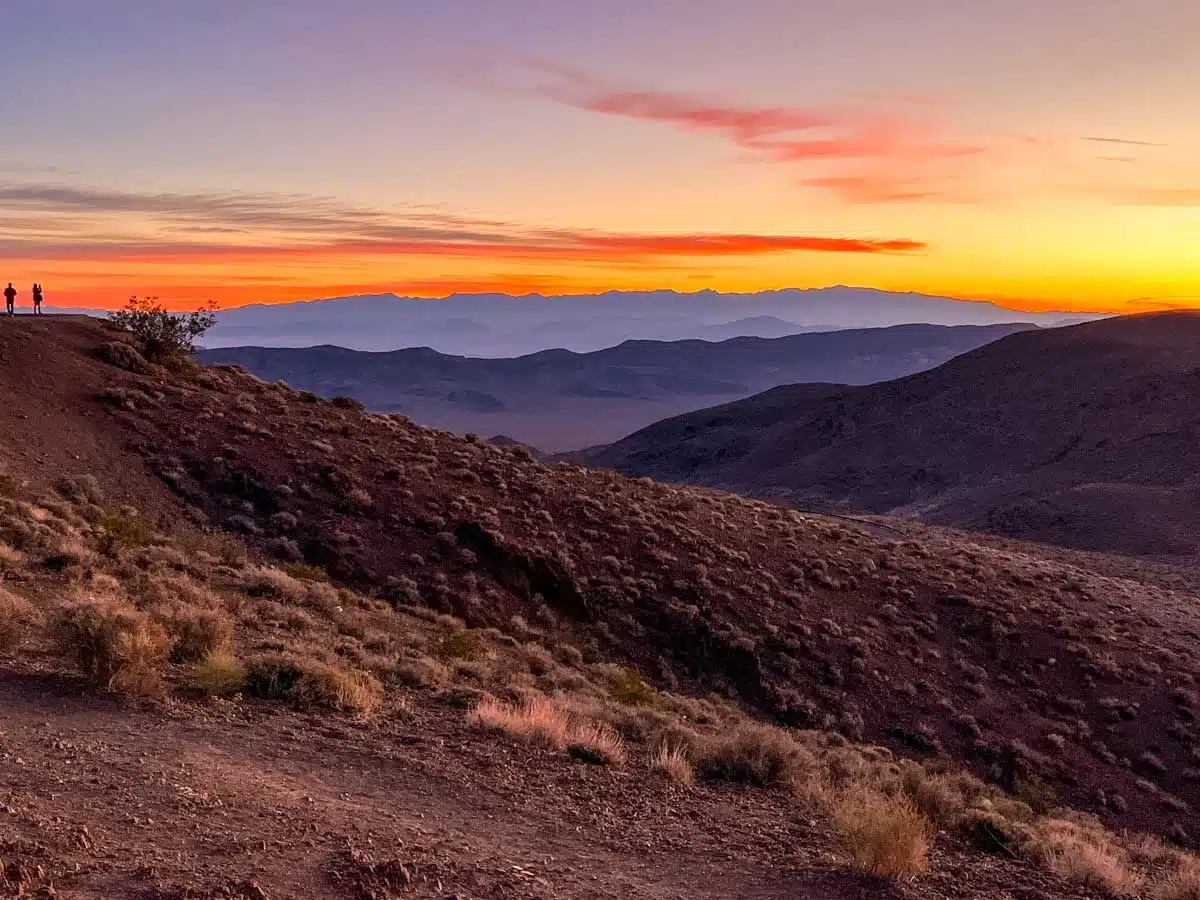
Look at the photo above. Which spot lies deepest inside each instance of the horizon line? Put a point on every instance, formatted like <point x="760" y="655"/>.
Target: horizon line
<point x="1014" y="304"/>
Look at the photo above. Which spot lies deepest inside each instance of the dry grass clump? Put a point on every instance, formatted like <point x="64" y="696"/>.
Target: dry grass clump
<point x="960" y="803"/>
<point x="630" y="688"/>
<point x="69" y="554"/>
<point x="420" y="672"/>
<point x="196" y="633"/>
<point x="312" y="682"/>
<point x="17" y="616"/>
<point x="886" y="834"/>
<point x="10" y="485"/>
<point x="304" y="572"/>
<point x="1087" y="855"/>
<point x="595" y="742"/>
<point x="461" y="643"/>
<point x="120" y="531"/>
<point x="273" y="583"/>
<point x="1181" y="885"/>
<point x="540" y="722"/>
<point x="674" y="763"/>
<point x="218" y="673"/>
<point x="752" y="754"/>
<point x="113" y="644"/>
<point x="537" y="720"/>
<point x="11" y="560"/>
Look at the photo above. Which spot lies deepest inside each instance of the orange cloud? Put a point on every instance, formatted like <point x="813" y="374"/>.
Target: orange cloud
<point x="74" y="223"/>
<point x="246" y="247"/>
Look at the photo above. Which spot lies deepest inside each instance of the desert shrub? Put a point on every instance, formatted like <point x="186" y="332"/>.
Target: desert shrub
<point x="267" y="582"/>
<point x="886" y="834"/>
<point x="81" y="488"/>
<point x="1086" y="855"/>
<point x="674" y="763"/>
<point x="942" y="797"/>
<point x="68" y="554"/>
<point x="344" y="402"/>
<point x="461" y="643"/>
<point x="10" y="485"/>
<point x="631" y="689"/>
<point x="163" y="337"/>
<point x="420" y="672"/>
<point x="357" y="497"/>
<point x="196" y="633"/>
<point x="218" y="674"/>
<point x="10" y="560"/>
<point x="113" y="645"/>
<point x="990" y="832"/>
<point x="752" y="754"/>
<point x="312" y="682"/>
<point x="1035" y="792"/>
<point x="124" y="356"/>
<point x="1181" y="885"/>
<point x="120" y="531"/>
<point x="17" y="616"/>
<point x="304" y="572"/>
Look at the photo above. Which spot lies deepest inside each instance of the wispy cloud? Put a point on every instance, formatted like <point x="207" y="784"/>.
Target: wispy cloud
<point x="21" y="169"/>
<point x="1124" y="141"/>
<point x="64" y="221"/>
<point x="878" y="154"/>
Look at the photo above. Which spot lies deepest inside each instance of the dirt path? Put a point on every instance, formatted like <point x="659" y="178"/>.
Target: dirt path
<point x="229" y="800"/>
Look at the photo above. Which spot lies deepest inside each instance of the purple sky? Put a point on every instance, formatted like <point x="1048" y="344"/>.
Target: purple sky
<point x="533" y="113"/>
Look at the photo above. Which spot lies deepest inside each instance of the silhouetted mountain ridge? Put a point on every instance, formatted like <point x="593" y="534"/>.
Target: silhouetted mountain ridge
<point x="500" y="325"/>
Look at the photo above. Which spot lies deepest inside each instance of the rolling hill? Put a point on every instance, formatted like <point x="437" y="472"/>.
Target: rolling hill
<point x="1082" y="436"/>
<point x="557" y="400"/>
<point x="254" y="644"/>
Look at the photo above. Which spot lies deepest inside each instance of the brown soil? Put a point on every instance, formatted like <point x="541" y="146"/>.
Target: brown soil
<point x="177" y="801"/>
<point x="1051" y="680"/>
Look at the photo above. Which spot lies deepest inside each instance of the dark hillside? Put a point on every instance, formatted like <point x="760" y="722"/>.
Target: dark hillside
<point x="1083" y="436"/>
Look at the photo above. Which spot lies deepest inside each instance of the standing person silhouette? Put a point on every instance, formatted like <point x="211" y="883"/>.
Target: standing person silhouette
<point x="37" y="299"/>
<point x="10" y="297"/>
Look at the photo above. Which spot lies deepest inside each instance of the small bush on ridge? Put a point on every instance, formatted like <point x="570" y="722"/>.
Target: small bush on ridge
<point x="164" y="337"/>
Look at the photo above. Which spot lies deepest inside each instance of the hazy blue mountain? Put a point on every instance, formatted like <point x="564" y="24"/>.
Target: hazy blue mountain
<point x="562" y="400"/>
<point x="499" y="325"/>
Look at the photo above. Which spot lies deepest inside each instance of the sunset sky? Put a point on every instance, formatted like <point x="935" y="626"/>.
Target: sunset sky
<point x="1043" y="153"/>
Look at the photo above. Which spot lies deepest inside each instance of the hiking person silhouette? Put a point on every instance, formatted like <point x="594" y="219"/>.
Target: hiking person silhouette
<point x="37" y="300"/>
<point x="10" y="297"/>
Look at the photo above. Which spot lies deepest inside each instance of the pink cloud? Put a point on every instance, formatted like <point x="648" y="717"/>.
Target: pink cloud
<point x="878" y="155"/>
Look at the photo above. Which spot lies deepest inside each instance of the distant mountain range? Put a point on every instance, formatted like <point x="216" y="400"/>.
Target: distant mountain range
<point x="1083" y="436"/>
<point x="559" y="400"/>
<point x="499" y="325"/>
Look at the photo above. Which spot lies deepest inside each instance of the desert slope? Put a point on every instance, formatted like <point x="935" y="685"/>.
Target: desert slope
<point x="557" y="400"/>
<point x="387" y="580"/>
<point x="1082" y="436"/>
